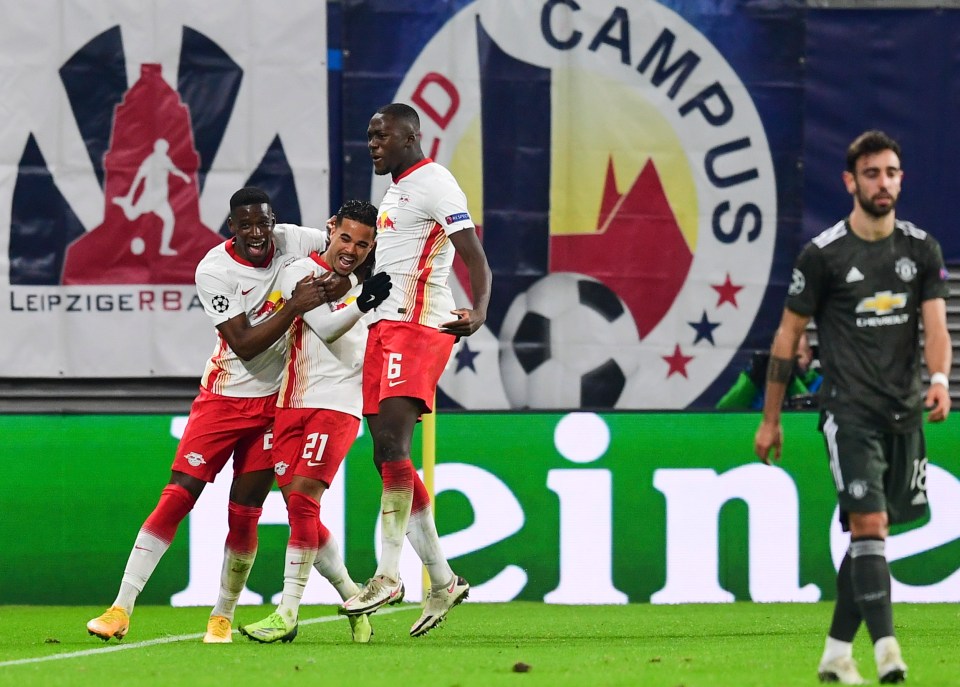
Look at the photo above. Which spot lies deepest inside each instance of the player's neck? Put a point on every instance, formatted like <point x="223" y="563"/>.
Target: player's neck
<point x="869" y="227"/>
<point x="412" y="161"/>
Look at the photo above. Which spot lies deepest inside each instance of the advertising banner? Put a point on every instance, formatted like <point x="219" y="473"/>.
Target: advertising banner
<point x="127" y="127"/>
<point x="564" y="508"/>
<point x="630" y="167"/>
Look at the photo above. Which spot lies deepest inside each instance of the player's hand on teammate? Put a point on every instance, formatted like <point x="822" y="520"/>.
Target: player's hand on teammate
<point x="308" y="294"/>
<point x="769" y="438"/>
<point x="937" y="402"/>
<point x="467" y="322"/>
<point x="375" y="291"/>
<point x="334" y="286"/>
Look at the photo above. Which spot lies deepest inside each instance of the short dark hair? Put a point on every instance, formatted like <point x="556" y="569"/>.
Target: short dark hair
<point x="249" y="195"/>
<point x="868" y="143"/>
<point x="403" y="112"/>
<point x="359" y="211"/>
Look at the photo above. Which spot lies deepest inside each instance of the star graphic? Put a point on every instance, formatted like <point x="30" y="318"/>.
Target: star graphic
<point x="704" y="329"/>
<point x="677" y="362"/>
<point x="728" y="292"/>
<point x="465" y="357"/>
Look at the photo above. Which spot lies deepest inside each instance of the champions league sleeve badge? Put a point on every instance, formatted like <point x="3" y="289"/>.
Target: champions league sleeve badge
<point x="220" y="303"/>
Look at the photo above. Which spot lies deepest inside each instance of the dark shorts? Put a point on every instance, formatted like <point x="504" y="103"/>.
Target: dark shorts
<point x="876" y="472"/>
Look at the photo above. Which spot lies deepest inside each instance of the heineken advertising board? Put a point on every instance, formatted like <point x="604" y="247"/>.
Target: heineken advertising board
<point x="564" y="508"/>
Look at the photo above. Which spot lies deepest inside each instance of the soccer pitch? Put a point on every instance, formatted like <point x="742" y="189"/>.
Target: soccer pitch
<point x="480" y="644"/>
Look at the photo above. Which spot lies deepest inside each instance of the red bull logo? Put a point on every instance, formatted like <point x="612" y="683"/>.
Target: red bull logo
<point x="384" y="222"/>
<point x="273" y="303"/>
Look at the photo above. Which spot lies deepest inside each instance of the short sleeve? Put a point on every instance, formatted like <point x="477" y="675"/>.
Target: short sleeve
<point x="935" y="276"/>
<point x="220" y="296"/>
<point x="807" y="281"/>
<point x="450" y="210"/>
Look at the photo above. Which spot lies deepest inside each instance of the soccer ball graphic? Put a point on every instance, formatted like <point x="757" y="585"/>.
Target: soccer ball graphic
<point x="567" y="342"/>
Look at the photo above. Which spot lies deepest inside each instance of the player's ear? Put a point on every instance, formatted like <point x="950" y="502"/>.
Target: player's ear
<point x="850" y="182"/>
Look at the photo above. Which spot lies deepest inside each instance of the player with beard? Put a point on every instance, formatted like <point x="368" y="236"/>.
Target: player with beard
<point x="233" y="414"/>
<point x="868" y="281"/>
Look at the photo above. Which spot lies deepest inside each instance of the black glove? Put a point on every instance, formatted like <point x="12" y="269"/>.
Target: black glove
<point x="375" y="291"/>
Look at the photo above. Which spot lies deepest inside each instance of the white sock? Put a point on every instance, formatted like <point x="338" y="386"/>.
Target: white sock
<point x="881" y="646"/>
<point x="836" y="648"/>
<point x="422" y="533"/>
<point x="394" y="516"/>
<point x="233" y="578"/>
<point x="146" y="553"/>
<point x="330" y="564"/>
<point x="296" y="572"/>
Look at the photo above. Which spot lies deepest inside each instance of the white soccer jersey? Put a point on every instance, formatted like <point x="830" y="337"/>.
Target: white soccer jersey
<point x="420" y="210"/>
<point x="229" y="286"/>
<point x="325" y="351"/>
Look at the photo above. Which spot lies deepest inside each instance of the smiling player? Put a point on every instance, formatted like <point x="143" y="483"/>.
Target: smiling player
<point x="237" y="284"/>
<point x="318" y="416"/>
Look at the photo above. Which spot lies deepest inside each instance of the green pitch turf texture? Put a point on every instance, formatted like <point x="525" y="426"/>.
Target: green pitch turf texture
<point x="738" y="644"/>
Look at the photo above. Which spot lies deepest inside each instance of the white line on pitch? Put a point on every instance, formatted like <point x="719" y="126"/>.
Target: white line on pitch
<point x="170" y="640"/>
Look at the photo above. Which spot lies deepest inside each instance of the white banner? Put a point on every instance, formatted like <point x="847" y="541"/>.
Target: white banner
<point x="127" y="125"/>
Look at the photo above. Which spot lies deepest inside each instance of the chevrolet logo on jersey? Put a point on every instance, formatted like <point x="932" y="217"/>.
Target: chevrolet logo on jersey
<point x="883" y="303"/>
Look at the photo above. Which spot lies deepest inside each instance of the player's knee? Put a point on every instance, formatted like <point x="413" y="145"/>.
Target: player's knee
<point x="872" y="525"/>
<point x="192" y="484"/>
<point x="390" y="446"/>
<point x="251" y="488"/>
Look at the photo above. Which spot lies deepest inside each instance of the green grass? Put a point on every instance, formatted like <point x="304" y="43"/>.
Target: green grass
<point x="738" y="644"/>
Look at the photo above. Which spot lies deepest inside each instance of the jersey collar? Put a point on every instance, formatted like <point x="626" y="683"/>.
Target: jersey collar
<point x="410" y="170"/>
<point x="232" y="252"/>
<point x="315" y="256"/>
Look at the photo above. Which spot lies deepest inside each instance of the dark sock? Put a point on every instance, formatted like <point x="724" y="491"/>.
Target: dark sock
<point x="870" y="575"/>
<point x="846" y="613"/>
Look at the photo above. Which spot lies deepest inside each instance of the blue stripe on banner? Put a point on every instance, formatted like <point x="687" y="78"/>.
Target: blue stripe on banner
<point x="516" y="112"/>
<point x="334" y="60"/>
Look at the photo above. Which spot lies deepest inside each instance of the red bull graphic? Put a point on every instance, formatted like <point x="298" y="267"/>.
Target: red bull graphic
<point x="273" y="303"/>
<point x="384" y="223"/>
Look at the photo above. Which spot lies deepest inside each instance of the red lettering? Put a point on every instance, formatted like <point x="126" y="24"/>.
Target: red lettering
<point x="446" y="86"/>
<point x="429" y="100"/>
<point x="171" y="300"/>
<point x="146" y="300"/>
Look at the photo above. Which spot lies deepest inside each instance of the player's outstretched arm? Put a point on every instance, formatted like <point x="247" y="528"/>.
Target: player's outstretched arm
<point x="249" y="341"/>
<point x="331" y="325"/>
<point x="769" y="436"/>
<point x="470" y="320"/>
<point x="938" y="355"/>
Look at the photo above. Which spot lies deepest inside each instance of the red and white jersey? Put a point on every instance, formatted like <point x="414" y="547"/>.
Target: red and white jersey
<point x="420" y="210"/>
<point x="325" y="351"/>
<point x="229" y="286"/>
